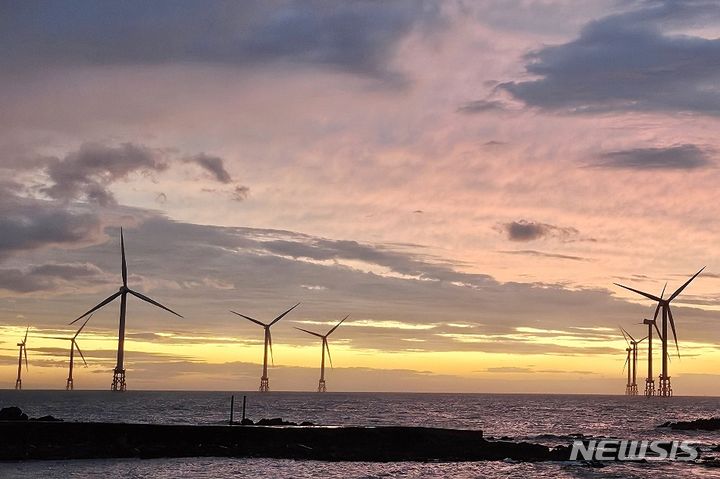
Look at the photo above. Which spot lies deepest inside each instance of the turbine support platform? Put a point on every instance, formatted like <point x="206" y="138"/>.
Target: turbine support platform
<point x="18" y="384"/>
<point x="69" y="385"/>
<point x="665" y="389"/>
<point x="118" y="383"/>
<point x="649" y="387"/>
<point x="321" y="386"/>
<point x="633" y="390"/>
<point x="628" y="390"/>
<point x="264" y="385"/>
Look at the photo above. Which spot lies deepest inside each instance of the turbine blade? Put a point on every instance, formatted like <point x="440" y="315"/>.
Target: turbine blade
<point x="336" y="326"/>
<point x="309" y="332"/>
<point x="647" y="295"/>
<point x="658" y="331"/>
<point x="106" y="301"/>
<point x="152" y="301"/>
<point x="83" y="325"/>
<point x="672" y="325"/>
<point x="327" y="346"/>
<point x="679" y="290"/>
<point x="272" y="358"/>
<point x="643" y="339"/>
<point x="663" y="291"/>
<point x="627" y="360"/>
<point x="624" y="333"/>
<point x="78" y="350"/>
<point x="282" y="315"/>
<point x="26" y="333"/>
<point x="250" y="319"/>
<point x="628" y="334"/>
<point x="27" y="367"/>
<point x="124" y="263"/>
<point x="55" y="337"/>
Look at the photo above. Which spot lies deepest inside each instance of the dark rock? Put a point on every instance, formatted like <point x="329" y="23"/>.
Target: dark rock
<point x="46" y="418"/>
<point x="307" y="423"/>
<point x="12" y="413"/>
<point x="276" y="421"/>
<point x="711" y="424"/>
<point x="246" y="422"/>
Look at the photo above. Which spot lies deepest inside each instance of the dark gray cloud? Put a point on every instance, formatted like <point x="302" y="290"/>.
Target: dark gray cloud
<point x="678" y="157"/>
<point x="542" y="254"/>
<point x="398" y="262"/>
<point x="480" y="106"/>
<point x="213" y="165"/>
<point x="28" y="224"/>
<point x="355" y="36"/>
<point x="86" y="173"/>
<point x="240" y="193"/>
<point x="524" y="230"/>
<point x="631" y="61"/>
<point x="48" y="277"/>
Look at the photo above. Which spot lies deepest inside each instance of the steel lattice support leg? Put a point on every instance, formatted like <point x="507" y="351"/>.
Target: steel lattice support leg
<point x="118" y="383"/>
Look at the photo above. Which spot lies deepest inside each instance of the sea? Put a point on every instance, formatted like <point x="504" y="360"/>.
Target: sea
<point x="545" y="419"/>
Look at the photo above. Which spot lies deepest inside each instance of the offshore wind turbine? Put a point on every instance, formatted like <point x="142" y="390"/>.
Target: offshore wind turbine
<point x="634" y="345"/>
<point x="628" y="365"/>
<point x="23" y="352"/>
<point x="321" y="384"/>
<point x="118" y="383"/>
<point x="264" y="381"/>
<point x="651" y="323"/>
<point x="665" y="389"/>
<point x="73" y="346"/>
<point x="649" y="381"/>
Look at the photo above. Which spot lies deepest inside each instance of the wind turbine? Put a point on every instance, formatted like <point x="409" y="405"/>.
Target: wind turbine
<point x="321" y="384"/>
<point x="665" y="389"/>
<point x="634" y="345"/>
<point x="264" y="382"/>
<point x="23" y="352"/>
<point x="73" y="347"/>
<point x="628" y="365"/>
<point x="649" y="381"/>
<point x="651" y="323"/>
<point x="118" y="383"/>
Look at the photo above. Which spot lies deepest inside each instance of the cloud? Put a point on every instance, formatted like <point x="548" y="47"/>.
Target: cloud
<point x="240" y="193"/>
<point x="213" y="165"/>
<point x="480" y="106"/>
<point x="48" y="277"/>
<point x="541" y="254"/>
<point x="631" y="61"/>
<point x="86" y="173"/>
<point x="678" y="157"/>
<point x="358" y="37"/>
<point x="29" y="224"/>
<point x="523" y="230"/>
<point x="508" y="369"/>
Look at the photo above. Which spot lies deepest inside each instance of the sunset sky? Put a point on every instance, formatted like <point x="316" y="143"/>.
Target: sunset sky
<point x="465" y="179"/>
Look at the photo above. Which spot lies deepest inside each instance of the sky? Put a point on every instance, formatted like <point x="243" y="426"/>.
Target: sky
<point x="466" y="180"/>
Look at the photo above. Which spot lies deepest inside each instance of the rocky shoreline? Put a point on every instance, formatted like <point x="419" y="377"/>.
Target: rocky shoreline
<point x="710" y="424"/>
<point x="22" y="438"/>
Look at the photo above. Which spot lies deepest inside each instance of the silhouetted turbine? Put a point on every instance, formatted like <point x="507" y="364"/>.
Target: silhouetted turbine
<point x="118" y="383"/>
<point x="69" y="386"/>
<point x="23" y="352"/>
<point x="633" y="366"/>
<point x="664" y="305"/>
<point x="323" y="347"/>
<point x="264" y="381"/>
